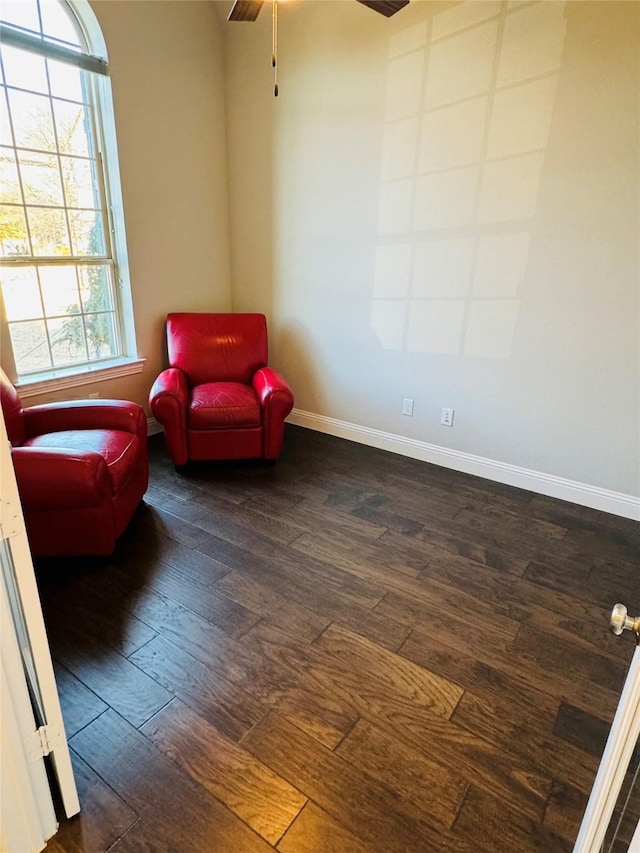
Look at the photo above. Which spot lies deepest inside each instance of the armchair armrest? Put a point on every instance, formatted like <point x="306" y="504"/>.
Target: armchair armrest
<point x="168" y="400"/>
<point x="268" y="382"/>
<point x="60" y="477"/>
<point x="170" y="386"/>
<point x="86" y="414"/>
<point x="276" y="399"/>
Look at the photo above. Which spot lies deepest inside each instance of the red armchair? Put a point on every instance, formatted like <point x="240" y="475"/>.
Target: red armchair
<point x="81" y="468"/>
<point x="218" y="399"/>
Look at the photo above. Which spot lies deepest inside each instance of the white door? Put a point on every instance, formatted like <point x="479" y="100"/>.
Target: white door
<point x="31" y="725"/>
<point x="598" y="832"/>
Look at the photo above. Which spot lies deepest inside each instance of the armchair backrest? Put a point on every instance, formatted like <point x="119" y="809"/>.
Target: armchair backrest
<point x="12" y="410"/>
<point x="217" y="347"/>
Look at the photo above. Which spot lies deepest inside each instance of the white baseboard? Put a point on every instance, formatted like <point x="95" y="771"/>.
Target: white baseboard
<point x="595" y="497"/>
<point x="153" y="427"/>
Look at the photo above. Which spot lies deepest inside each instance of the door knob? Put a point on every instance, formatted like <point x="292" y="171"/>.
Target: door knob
<point x="620" y="621"/>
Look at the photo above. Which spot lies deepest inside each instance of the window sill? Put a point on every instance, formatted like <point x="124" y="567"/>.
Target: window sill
<point x="61" y="380"/>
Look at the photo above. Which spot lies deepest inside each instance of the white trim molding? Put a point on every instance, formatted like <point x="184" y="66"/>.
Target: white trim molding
<point x="617" y="503"/>
<point x="153" y="426"/>
<point x="62" y="381"/>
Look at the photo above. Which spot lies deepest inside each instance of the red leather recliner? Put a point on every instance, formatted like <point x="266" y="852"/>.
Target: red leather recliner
<point x="81" y="468"/>
<point x="218" y="399"/>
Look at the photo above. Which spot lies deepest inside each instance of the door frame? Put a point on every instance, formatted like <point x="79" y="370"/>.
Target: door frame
<point x="28" y="640"/>
<point x="27" y="815"/>
<point x="614" y="764"/>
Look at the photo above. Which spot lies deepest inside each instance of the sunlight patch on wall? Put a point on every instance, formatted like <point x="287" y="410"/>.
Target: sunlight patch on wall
<point x="469" y="110"/>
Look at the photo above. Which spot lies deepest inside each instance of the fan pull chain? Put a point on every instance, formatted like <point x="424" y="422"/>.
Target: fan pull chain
<point x="274" y="47"/>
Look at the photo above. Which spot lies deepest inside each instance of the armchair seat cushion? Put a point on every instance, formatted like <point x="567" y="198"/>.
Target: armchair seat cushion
<point x="224" y="405"/>
<point x="120" y="450"/>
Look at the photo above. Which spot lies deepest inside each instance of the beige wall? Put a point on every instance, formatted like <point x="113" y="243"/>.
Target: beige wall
<point x="444" y="206"/>
<point x="441" y="206"/>
<point x="166" y="67"/>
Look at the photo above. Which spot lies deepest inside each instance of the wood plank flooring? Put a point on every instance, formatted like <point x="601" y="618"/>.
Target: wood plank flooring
<point x="348" y="652"/>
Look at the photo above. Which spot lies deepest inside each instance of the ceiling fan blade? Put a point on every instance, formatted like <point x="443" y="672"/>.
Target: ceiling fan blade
<point x="245" y="10"/>
<point x="385" y="7"/>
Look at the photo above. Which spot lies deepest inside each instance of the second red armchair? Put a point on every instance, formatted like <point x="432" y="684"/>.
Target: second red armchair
<point x="218" y="399"/>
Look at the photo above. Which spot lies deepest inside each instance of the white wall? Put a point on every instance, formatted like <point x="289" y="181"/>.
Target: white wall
<point x="444" y="206"/>
<point x="166" y="69"/>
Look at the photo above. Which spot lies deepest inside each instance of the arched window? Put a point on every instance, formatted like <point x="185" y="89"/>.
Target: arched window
<point x="63" y="264"/>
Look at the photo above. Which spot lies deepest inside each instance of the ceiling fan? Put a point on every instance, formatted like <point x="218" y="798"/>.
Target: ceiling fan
<point x="248" y="10"/>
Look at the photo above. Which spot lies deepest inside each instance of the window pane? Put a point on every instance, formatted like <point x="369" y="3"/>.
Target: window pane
<point x="24" y="69"/>
<point x="9" y="184"/>
<point x="13" y="231"/>
<point x="65" y="81"/>
<point x="5" y="128"/>
<point x="30" y="346"/>
<point x="59" y="287"/>
<point x="52" y="200"/>
<point x="56" y="22"/>
<point x="32" y="121"/>
<point x="40" y="175"/>
<point x="95" y="288"/>
<point x="21" y="294"/>
<point x="101" y="335"/>
<point x="86" y="232"/>
<point x="72" y="125"/>
<point x="23" y="13"/>
<point x="81" y="190"/>
<point x="67" y="340"/>
<point x="49" y="234"/>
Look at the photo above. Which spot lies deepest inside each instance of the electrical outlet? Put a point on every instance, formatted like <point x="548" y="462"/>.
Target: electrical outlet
<point x="407" y="407"/>
<point x="447" y="417"/>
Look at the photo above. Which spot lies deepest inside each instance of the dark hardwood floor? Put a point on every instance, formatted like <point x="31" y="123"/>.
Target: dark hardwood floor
<point x="348" y="652"/>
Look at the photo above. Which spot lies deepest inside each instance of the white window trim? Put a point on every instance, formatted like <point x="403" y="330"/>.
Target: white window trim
<point x="129" y="362"/>
<point x="65" y="378"/>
